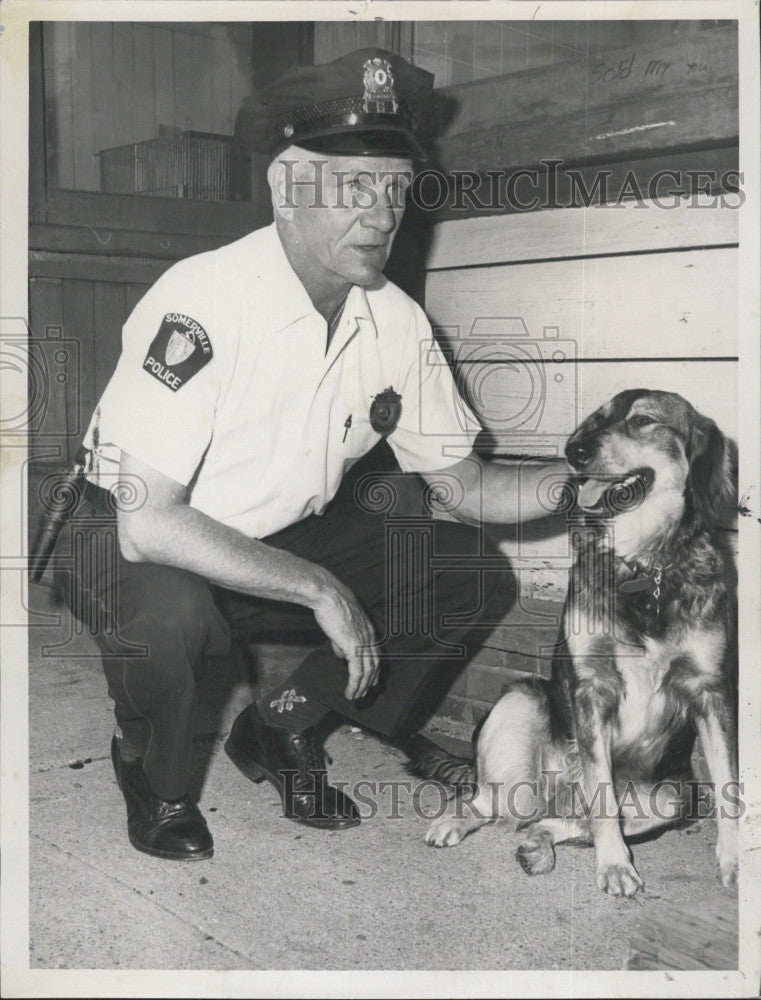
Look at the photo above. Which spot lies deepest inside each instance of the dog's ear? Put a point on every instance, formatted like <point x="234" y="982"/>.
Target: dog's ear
<point x="710" y="479"/>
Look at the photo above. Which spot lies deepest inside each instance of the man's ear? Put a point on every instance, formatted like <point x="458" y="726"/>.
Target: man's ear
<point x="709" y="478"/>
<point x="281" y="189"/>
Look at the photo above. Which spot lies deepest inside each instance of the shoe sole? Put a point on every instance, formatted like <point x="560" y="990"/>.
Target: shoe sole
<point x="170" y="855"/>
<point x="257" y="773"/>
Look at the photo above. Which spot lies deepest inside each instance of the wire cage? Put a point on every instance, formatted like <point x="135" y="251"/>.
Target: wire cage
<point x="202" y="166"/>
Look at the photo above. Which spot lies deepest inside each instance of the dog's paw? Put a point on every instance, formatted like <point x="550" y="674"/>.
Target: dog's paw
<point x="619" y="880"/>
<point x="537" y="855"/>
<point x="728" y="864"/>
<point x="445" y="832"/>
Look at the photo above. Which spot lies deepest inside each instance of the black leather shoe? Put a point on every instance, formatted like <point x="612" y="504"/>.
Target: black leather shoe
<point x="173" y="830"/>
<point x="293" y="764"/>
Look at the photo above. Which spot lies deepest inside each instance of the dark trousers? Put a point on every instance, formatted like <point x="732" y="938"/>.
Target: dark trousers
<point x="430" y="587"/>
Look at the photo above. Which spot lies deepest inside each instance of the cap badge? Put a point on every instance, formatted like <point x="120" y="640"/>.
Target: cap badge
<point x="379" y="98"/>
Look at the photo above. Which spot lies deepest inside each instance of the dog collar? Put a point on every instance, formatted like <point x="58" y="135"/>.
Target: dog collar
<point x="645" y="578"/>
<point x="639" y="568"/>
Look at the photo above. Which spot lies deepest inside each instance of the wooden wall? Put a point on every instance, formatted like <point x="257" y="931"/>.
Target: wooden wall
<point x="549" y="315"/>
<point x="107" y="84"/>
<point x="88" y="316"/>
<point x="635" y="295"/>
<point x="335" y="38"/>
<point x="645" y="107"/>
<point x="462" y="51"/>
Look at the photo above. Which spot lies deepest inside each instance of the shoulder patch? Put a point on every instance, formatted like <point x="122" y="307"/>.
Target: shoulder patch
<point x="179" y="350"/>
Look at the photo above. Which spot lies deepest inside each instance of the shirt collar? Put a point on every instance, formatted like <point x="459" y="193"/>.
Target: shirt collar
<point x="290" y="301"/>
<point x="358" y="309"/>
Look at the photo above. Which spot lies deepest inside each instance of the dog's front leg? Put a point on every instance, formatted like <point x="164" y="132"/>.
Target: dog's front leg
<point x="598" y="692"/>
<point x="715" y="726"/>
<point x="700" y="680"/>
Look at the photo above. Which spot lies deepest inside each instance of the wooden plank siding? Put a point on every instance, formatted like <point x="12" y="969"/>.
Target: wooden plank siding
<point x="166" y="216"/>
<point x="133" y="292"/>
<point x="51" y="423"/>
<point x="635" y="99"/>
<point x="527" y="412"/>
<point x="37" y="142"/>
<point x="59" y="121"/>
<point x="145" y="87"/>
<point x="105" y="242"/>
<point x="690" y="309"/>
<point x="112" y="303"/>
<point x="96" y="267"/>
<point x="105" y="123"/>
<point x="547" y="316"/>
<point x="163" y="73"/>
<point x="582" y="232"/>
<point x="221" y="86"/>
<point x="82" y="100"/>
<point x="184" y="72"/>
<point x="108" y="84"/>
<point x="83" y="318"/>
<point x="616" y="69"/>
<point x="91" y="314"/>
<point x="79" y="325"/>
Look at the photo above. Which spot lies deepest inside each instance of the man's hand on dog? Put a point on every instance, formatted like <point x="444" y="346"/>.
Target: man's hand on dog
<point x="352" y="635"/>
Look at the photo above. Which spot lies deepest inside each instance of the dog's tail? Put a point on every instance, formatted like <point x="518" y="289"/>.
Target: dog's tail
<point x="429" y="760"/>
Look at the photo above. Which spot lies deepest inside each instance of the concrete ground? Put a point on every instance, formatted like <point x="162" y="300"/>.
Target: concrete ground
<point x="280" y="896"/>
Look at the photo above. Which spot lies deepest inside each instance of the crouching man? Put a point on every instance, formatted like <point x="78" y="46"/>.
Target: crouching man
<point x="251" y="379"/>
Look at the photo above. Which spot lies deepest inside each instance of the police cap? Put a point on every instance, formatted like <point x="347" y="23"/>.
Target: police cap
<point x="358" y="105"/>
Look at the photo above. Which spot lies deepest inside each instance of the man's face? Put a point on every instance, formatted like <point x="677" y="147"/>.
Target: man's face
<point x="347" y="212"/>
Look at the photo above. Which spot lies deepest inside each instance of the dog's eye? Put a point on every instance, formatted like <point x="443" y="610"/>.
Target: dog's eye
<point x="641" y="420"/>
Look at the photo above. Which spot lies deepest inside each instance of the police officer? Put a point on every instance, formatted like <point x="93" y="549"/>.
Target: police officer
<point x="251" y="379"/>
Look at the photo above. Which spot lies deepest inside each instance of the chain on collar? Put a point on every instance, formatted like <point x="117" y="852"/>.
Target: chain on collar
<point x="645" y="578"/>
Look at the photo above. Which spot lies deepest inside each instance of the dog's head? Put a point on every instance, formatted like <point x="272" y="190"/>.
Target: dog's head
<point x="649" y="459"/>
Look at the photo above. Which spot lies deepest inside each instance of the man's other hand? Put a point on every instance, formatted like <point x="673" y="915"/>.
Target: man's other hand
<point x="352" y="636"/>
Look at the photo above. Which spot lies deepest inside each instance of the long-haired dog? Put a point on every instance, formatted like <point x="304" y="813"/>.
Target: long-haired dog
<point x="601" y="751"/>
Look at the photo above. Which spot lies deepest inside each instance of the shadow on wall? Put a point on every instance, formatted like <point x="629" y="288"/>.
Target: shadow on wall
<point x="407" y="264"/>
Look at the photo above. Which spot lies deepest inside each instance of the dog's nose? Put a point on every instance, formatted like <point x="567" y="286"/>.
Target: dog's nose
<point x="580" y="453"/>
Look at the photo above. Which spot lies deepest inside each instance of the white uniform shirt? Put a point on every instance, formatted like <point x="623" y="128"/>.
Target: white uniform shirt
<point x="224" y="385"/>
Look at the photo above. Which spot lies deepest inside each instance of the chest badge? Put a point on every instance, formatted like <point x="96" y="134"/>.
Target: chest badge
<point x="385" y="411"/>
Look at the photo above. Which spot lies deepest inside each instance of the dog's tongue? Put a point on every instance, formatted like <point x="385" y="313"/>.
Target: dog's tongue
<point x="591" y="491"/>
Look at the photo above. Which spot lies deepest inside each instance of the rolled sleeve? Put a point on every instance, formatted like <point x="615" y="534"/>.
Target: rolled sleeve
<point x="163" y="419"/>
<point x="437" y="427"/>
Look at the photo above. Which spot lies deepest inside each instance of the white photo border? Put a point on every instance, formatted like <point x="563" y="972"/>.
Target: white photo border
<point x="18" y="980"/>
